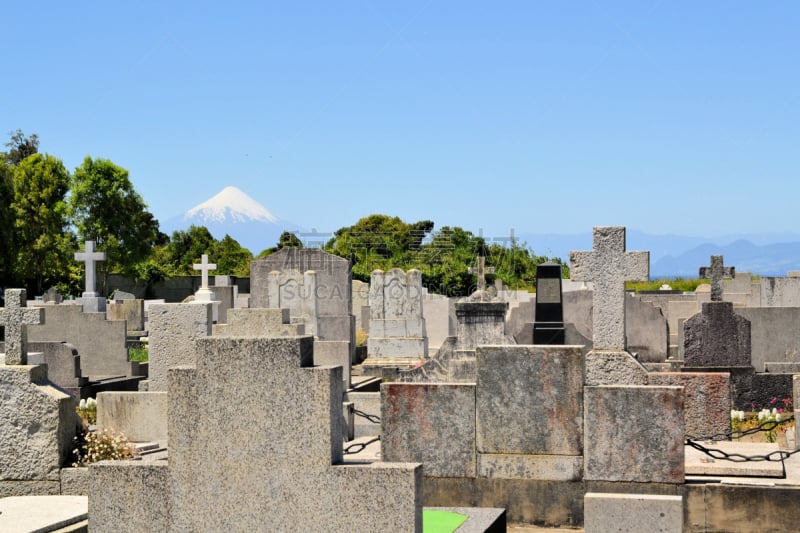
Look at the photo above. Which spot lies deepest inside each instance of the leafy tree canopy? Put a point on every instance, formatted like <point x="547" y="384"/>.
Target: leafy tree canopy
<point x="21" y="146"/>
<point x="106" y="209"/>
<point x="42" y="238"/>
<point x="444" y="257"/>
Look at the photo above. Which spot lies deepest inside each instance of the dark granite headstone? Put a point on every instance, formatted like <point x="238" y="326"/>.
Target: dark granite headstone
<point x="549" y="325"/>
<point x="717" y="337"/>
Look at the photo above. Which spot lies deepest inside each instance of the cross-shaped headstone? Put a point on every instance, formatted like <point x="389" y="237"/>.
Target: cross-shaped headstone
<point x="90" y="257"/>
<point x="715" y="273"/>
<point x="481" y="271"/>
<point x="204" y="267"/>
<point x="15" y="317"/>
<point x="609" y="266"/>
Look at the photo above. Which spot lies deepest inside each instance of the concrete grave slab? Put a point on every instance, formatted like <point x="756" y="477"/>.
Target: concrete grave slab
<point x="242" y="459"/>
<point x="26" y="514"/>
<point x="707" y="399"/>
<point x="173" y="330"/>
<point x="634" y="433"/>
<point x="632" y="513"/>
<point x="430" y="423"/>
<point x="529" y="400"/>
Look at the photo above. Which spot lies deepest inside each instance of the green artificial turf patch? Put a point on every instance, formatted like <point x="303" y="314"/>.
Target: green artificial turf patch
<point x="441" y="521"/>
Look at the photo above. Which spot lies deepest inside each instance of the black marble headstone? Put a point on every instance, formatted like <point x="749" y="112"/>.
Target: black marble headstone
<point x="549" y="325"/>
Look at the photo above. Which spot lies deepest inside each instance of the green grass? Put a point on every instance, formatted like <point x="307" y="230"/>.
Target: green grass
<point x="139" y="355"/>
<point x="678" y="284"/>
<point x="441" y="521"/>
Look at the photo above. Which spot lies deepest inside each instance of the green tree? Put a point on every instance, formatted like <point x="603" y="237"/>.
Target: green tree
<point x="21" y="146"/>
<point x="107" y="209"/>
<point x="7" y="248"/>
<point x="231" y="258"/>
<point x="42" y="239"/>
<point x="379" y="242"/>
<point x="185" y="249"/>
<point x="286" y="240"/>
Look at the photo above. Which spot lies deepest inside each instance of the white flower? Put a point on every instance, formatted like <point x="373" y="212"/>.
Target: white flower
<point x="91" y="402"/>
<point x="82" y="404"/>
<point x="777" y="417"/>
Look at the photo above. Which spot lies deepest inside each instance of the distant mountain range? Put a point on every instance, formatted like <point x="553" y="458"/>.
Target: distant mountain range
<point x="767" y="254"/>
<point x="233" y="212"/>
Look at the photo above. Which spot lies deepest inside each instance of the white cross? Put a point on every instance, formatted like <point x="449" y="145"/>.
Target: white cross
<point x="609" y="266"/>
<point x="90" y="257"/>
<point x="15" y="317"/>
<point x="204" y="267"/>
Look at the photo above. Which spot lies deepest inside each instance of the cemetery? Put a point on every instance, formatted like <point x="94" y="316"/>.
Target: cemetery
<point x="318" y="402"/>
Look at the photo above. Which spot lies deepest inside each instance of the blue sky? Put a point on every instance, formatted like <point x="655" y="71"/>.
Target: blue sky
<point x="546" y="117"/>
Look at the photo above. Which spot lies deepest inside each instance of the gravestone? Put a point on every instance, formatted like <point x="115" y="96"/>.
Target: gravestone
<point x="100" y="342"/>
<point x="716" y="272"/>
<point x="480" y="318"/>
<point x="91" y="300"/>
<point x="259" y="322"/>
<point x="716" y="337"/>
<point x="238" y="463"/>
<point x="360" y="294"/>
<point x="326" y="294"/>
<point x="295" y="291"/>
<point x="549" y="325"/>
<point x="507" y="439"/>
<point x="619" y="448"/>
<point x="173" y="331"/>
<point x="204" y="294"/>
<point x="52" y="296"/>
<point x="718" y="340"/>
<point x="121" y="296"/>
<point x="131" y="311"/>
<point x="480" y="271"/>
<point x="609" y="266"/>
<point x="226" y="292"/>
<point x="397" y="327"/>
<point x="37" y="420"/>
<point x="63" y="365"/>
<point x="15" y="318"/>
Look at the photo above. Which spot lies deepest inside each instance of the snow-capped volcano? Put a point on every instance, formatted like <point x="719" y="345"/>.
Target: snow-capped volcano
<point x="230" y="205"/>
<point x="234" y="213"/>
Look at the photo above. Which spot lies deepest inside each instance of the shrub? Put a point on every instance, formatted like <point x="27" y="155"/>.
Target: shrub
<point x="94" y="446"/>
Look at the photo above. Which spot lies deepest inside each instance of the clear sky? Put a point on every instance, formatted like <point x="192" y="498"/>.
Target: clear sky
<point x="666" y="117"/>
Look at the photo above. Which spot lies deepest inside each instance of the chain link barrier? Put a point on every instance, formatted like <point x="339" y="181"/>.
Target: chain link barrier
<point x="375" y="419"/>
<point x="359" y="446"/>
<point x="715" y="453"/>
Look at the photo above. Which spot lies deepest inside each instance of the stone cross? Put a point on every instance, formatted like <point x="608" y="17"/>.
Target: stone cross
<point x="609" y="266"/>
<point x="90" y="257"/>
<point x="715" y="273"/>
<point x="481" y="272"/>
<point x="204" y="267"/>
<point x="15" y="317"/>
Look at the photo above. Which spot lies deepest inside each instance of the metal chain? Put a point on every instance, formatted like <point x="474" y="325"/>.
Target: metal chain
<point x="372" y="418"/>
<point x="716" y="453"/>
<point x="359" y="446"/>
<point x="776" y="456"/>
<point x="738" y="434"/>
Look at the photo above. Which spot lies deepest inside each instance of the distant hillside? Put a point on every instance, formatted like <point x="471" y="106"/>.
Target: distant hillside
<point x="767" y="260"/>
<point x="677" y="255"/>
